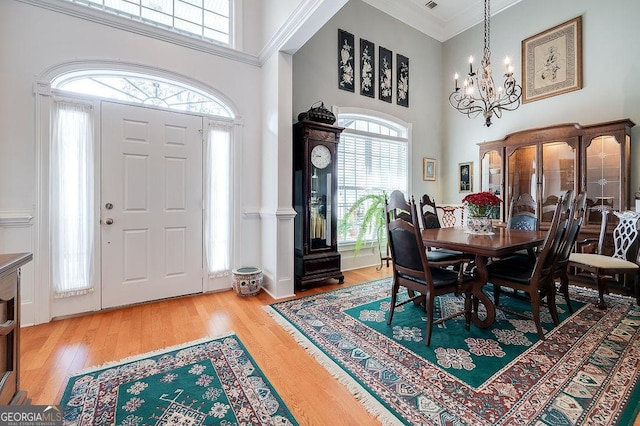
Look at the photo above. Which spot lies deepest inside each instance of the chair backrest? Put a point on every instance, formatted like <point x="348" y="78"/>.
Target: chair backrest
<point x="397" y="207"/>
<point x="580" y="205"/>
<point x="429" y="213"/>
<point x="406" y="246"/>
<point x="625" y="236"/>
<point x="522" y="214"/>
<point x="547" y="254"/>
<point x="576" y="219"/>
<point x="548" y="207"/>
<point x="449" y="219"/>
<point x="567" y="202"/>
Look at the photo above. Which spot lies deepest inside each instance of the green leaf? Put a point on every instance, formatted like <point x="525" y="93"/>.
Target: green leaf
<point x="372" y="220"/>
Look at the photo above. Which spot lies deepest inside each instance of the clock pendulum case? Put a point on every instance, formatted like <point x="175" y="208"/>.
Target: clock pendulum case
<point x="315" y="184"/>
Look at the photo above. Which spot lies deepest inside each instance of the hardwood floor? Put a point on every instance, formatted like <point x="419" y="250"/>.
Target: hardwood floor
<point x="51" y="352"/>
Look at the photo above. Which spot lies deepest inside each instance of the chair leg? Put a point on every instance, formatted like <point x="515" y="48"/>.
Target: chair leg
<point x="535" y="310"/>
<point x="602" y="289"/>
<point x="636" y="286"/>
<point x="564" y="288"/>
<point x="429" y="308"/>
<point x="467" y="310"/>
<point x="496" y="294"/>
<point x="394" y="296"/>
<point x="551" y="303"/>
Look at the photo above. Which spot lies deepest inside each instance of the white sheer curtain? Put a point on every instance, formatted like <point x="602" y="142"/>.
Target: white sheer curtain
<point x="72" y="219"/>
<point x="218" y="206"/>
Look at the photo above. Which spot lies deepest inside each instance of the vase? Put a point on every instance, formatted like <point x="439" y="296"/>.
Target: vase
<point x="479" y="225"/>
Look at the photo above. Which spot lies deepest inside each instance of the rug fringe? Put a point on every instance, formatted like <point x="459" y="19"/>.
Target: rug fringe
<point x="138" y="357"/>
<point x="370" y="403"/>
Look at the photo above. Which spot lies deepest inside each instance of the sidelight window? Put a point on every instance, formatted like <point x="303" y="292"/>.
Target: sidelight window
<point x="72" y="199"/>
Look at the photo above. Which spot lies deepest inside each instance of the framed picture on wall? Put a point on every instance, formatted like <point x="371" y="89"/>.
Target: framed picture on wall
<point x="428" y="169"/>
<point x="552" y="61"/>
<point x="465" y="177"/>
<point x="402" y="71"/>
<point x="367" y="68"/>
<point x="346" y="70"/>
<point x="385" y="74"/>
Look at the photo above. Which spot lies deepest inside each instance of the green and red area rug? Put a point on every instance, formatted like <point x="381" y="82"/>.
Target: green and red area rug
<point x="211" y="382"/>
<point x="586" y="371"/>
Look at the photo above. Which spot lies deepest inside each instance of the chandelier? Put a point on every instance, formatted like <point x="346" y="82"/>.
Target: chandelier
<point x="478" y="93"/>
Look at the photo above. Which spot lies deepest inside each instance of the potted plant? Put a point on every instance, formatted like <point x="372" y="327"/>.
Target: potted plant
<point x="369" y="212"/>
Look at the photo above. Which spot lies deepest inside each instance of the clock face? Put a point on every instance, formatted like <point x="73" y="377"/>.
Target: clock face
<point x="320" y="156"/>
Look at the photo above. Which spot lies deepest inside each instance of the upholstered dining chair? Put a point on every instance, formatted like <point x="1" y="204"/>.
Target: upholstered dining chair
<point x="522" y="214"/>
<point x="412" y="270"/>
<point x="399" y="207"/>
<point x="624" y="259"/>
<point x="440" y="257"/>
<point x="532" y="277"/>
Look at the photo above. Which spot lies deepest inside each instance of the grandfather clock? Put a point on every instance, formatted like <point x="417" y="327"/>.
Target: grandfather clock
<point x="315" y="183"/>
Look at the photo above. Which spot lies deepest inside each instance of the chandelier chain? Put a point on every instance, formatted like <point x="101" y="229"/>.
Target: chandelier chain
<point x="479" y="95"/>
<point x="487" y="30"/>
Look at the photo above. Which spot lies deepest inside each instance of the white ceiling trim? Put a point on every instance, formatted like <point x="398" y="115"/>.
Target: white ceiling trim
<point x="442" y="22"/>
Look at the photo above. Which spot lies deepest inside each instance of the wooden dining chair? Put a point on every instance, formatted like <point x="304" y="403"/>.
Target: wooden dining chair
<point x="561" y="262"/>
<point x="624" y="259"/>
<point x="440" y="257"/>
<point x="412" y="270"/>
<point x="532" y="277"/>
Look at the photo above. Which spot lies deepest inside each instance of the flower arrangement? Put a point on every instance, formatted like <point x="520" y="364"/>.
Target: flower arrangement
<point x="481" y="204"/>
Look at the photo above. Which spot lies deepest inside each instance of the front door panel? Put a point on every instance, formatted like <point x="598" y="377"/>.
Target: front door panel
<point x="151" y="209"/>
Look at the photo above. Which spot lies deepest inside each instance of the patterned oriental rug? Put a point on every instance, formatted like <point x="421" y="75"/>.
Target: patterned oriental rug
<point x="586" y="371"/>
<point x="210" y="382"/>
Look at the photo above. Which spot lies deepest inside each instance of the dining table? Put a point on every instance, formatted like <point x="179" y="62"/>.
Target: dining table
<point x="500" y="243"/>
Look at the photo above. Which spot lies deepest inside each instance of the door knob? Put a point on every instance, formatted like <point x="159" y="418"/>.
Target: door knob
<point x="109" y="221"/>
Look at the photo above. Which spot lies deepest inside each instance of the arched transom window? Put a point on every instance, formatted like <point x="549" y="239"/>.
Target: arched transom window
<point x="136" y="88"/>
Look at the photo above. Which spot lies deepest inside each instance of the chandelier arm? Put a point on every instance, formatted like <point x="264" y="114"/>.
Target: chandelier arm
<point x="465" y="104"/>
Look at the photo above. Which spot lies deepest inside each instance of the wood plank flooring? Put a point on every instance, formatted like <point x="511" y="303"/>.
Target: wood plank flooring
<point x="51" y="352"/>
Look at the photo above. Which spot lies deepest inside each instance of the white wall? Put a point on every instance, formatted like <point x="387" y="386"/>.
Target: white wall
<point x="27" y="54"/>
<point x="611" y="63"/>
<point x="315" y="78"/>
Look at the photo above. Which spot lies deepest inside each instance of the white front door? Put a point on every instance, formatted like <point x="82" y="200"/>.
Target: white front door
<point x="151" y="204"/>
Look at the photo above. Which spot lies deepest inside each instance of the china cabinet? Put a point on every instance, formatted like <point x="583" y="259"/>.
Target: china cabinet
<point x="315" y="167"/>
<point x="546" y="162"/>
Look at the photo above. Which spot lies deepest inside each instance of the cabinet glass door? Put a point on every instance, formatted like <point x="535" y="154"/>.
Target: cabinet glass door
<point x="522" y="173"/>
<point x="320" y="208"/>
<point x="558" y="175"/>
<point x="491" y="175"/>
<point x="602" y="176"/>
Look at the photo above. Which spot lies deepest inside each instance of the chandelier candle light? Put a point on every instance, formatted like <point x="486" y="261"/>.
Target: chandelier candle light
<point x="479" y="208"/>
<point x="486" y="99"/>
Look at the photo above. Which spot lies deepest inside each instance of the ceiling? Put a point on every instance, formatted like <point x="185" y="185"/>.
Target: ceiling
<point x="447" y="19"/>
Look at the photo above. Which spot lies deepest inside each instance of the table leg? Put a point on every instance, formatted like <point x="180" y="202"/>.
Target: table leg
<point x="482" y="276"/>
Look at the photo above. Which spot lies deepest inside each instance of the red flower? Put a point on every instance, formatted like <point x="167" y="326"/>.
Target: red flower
<point x="481" y="203"/>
